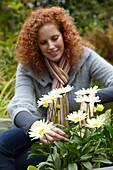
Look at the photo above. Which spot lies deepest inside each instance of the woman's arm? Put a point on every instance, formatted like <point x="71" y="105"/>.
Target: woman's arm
<point x="99" y="69"/>
<point x="105" y="94"/>
<point x="23" y="104"/>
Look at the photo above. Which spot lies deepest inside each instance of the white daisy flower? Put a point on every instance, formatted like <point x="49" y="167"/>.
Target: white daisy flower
<point x="87" y="99"/>
<point x="45" y="100"/>
<point x="95" y="122"/>
<point x="53" y="95"/>
<point x="40" y="128"/>
<point x="62" y="90"/>
<point x="87" y="91"/>
<point x="76" y="116"/>
<point x="66" y="89"/>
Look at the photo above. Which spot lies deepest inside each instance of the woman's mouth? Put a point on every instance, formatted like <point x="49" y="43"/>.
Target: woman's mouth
<point x="54" y="52"/>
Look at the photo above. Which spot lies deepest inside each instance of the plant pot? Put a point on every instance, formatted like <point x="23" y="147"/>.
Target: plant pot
<point x="105" y="168"/>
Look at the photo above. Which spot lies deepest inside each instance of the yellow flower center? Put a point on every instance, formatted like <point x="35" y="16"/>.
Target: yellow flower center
<point x="95" y="124"/>
<point x="45" y="104"/>
<point x="77" y="118"/>
<point x="52" y="97"/>
<point x="41" y="131"/>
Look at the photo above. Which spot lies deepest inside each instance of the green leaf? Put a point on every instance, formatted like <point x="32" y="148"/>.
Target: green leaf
<point x="30" y="167"/>
<point x="45" y="164"/>
<point x="2" y="43"/>
<point x="98" y="144"/>
<point x="34" y="154"/>
<point x="88" y="165"/>
<point x="100" y="151"/>
<point x="102" y="160"/>
<point x="57" y="159"/>
<point x="85" y="157"/>
<point x="107" y="117"/>
<point x="88" y="149"/>
<point x="110" y="130"/>
<point x="72" y="166"/>
<point x="62" y="147"/>
<point x="59" y="144"/>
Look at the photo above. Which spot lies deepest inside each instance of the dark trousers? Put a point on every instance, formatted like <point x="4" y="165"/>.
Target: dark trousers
<point x="14" y="150"/>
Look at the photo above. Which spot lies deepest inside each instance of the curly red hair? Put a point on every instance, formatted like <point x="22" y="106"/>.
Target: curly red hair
<point x="28" y="52"/>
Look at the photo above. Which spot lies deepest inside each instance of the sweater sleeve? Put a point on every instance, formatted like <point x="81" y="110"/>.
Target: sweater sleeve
<point x="24" y="125"/>
<point x="105" y="94"/>
<point x="99" y="69"/>
<point x="24" y="99"/>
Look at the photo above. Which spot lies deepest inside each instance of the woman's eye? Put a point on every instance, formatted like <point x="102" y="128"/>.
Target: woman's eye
<point x="54" y="38"/>
<point x="43" y="43"/>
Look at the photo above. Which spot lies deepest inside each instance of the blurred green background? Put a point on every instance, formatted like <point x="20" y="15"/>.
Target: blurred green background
<point x="94" y="20"/>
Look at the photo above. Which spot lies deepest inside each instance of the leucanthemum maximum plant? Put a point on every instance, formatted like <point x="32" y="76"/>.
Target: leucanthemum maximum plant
<point x="90" y="139"/>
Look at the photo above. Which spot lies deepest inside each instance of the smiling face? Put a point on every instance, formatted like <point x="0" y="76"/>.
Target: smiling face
<point x="51" y="42"/>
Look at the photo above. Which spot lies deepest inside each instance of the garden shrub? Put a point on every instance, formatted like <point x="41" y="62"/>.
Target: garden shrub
<point x="103" y="41"/>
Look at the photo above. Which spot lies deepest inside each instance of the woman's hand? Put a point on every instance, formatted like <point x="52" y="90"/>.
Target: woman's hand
<point x="54" y="135"/>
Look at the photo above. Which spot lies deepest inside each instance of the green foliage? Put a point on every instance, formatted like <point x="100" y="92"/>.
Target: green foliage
<point x="92" y="149"/>
<point x="7" y="60"/>
<point x="103" y="41"/>
<point x="12" y="15"/>
<point x="5" y="96"/>
<point x="89" y="144"/>
<point x="88" y="15"/>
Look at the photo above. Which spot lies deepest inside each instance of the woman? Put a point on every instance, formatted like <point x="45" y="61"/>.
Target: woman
<point x="50" y="53"/>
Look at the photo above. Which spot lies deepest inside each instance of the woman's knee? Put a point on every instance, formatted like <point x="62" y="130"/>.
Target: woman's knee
<point x="13" y="139"/>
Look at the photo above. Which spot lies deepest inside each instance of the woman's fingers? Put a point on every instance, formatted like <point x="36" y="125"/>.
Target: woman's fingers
<point x="58" y="133"/>
<point x="44" y="140"/>
<point x="47" y="139"/>
<point x="54" y="135"/>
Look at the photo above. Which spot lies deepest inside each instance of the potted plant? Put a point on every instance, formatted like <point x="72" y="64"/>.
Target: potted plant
<point x="90" y="139"/>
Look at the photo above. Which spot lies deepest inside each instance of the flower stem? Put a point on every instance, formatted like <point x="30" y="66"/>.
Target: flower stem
<point x="87" y="110"/>
<point x="50" y="150"/>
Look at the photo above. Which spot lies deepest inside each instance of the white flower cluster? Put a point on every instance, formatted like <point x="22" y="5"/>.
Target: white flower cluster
<point x="53" y="95"/>
<point x="87" y="91"/>
<point x="42" y="127"/>
<point x="86" y="96"/>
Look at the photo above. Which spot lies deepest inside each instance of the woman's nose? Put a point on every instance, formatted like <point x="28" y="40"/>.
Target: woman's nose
<point x="50" y="45"/>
